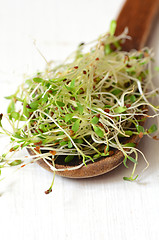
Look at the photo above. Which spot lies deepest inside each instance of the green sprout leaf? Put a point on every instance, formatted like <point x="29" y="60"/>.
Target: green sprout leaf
<point x="95" y="120"/>
<point x="44" y="98"/>
<point x="38" y="80"/>
<point x="117" y="45"/>
<point x="116" y="91"/>
<point x="34" y="105"/>
<point x="68" y="117"/>
<point x="132" y="98"/>
<point x="60" y="104"/>
<point x="11" y="107"/>
<point x="10" y="97"/>
<point x="63" y="143"/>
<point x="130" y="133"/>
<point x="15" y="163"/>
<point x="107" y="106"/>
<point x="15" y="115"/>
<point x="130" y="178"/>
<point x="132" y="159"/>
<point x="104" y="154"/>
<point x="72" y="84"/>
<point x="22" y="118"/>
<point x="97" y="156"/>
<point x="75" y="126"/>
<point x="15" y="148"/>
<point x="98" y="131"/>
<point x="78" y="141"/>
<point x="120" y="109"/>
<point x="127" y="178"/>
<point x="69" y="158"/>
<point x="80" y="108"/>
<point x="25" y="109"/>
<point x="129" y="145"/>
<point x="130" y="70"/>
<point x="113" y="25"/>
<point x="17" y="135"/>
<point x="70" y="144"/>
<point x="140" y="128"/>
<point x="107" y="49"/>
<point x="124" y="161"/>
<point x="152" y="129"/>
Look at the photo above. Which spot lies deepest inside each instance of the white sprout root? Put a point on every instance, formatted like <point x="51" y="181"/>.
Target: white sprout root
<point x="87" y="107"/>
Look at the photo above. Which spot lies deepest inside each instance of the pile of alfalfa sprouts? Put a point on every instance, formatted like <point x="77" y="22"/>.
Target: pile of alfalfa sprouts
<point x="87" y="107"/>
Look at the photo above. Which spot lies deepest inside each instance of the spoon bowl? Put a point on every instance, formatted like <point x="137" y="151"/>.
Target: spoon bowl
<point x="139" y="28"/>
<point x="97" y="168"/>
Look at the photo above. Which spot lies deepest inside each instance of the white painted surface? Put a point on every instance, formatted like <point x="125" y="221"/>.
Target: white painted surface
<point x="105" y="207"/>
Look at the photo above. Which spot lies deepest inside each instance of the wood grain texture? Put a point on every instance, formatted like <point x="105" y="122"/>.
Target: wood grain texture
<point x="138" y="16"/>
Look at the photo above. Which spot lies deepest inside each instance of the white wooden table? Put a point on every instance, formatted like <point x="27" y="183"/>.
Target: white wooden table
<point x="105" y="207"/>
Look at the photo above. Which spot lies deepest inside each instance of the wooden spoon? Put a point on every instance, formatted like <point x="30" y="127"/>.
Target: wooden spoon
<point x="138" y="16"/>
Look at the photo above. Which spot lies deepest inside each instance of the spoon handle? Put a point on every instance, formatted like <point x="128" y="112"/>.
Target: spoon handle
<point x="138" y="16"/>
